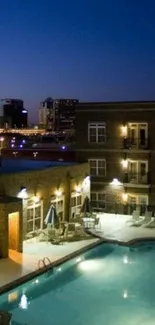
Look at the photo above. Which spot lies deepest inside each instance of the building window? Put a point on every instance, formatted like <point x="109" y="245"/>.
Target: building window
<point x="76" y="203"/>
<point x="34" y="216"/>
<point x="98" y="200"/>
<point x="96" y="132"/>
<point x="97" y="167"/>
<point x="59" y="206"/>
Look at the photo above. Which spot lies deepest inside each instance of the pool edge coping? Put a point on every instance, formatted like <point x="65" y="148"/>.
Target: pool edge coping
<point x="31" y="275"/>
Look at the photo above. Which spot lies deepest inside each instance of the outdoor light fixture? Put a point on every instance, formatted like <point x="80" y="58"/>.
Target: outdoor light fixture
<point x="58" y="193"/>
<point x="23" y="193"/>
<point x="1" y="139"/>
<point x="78" y="189"/>
<point x="125" y="197"/>
<point x="36" y="199"/>
<point x="124" y="163"/>
<point x="124" y="130"/>
<point x="115" y="182"/>
<point x="63" y="147"/>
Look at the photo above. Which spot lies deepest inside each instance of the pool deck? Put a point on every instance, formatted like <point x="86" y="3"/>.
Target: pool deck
<point x="115" y="227"/>
<point x="21" y="264"/>
<point x="112" y="227"/>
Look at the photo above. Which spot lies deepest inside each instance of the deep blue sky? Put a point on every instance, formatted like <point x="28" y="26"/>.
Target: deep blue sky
<point x="88" y="49"/>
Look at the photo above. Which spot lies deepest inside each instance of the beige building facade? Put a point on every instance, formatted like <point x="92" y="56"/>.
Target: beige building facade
<point x="30" y="195"/>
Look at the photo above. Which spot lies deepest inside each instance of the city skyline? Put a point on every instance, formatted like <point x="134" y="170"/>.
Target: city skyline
<point x="87" y="50"/>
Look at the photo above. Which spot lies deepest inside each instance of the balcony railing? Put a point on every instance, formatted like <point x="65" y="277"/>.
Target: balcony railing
<point x="136" y="143"/>
<point x="136" y="178"/>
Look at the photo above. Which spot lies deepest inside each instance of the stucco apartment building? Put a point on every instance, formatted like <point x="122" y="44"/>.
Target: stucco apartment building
<point x="28" y="188"/>
<point x="118" y="140"/>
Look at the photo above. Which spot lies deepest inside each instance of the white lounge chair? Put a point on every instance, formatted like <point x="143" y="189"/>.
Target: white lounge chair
<point x="144" y="221"/>
<point x="135" y="217"/>
<point x="151" y="224"/>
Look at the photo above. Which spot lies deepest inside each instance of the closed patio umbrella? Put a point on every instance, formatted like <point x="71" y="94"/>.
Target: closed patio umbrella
<point x="86" y="206"/>
<point x="51" y="217"/>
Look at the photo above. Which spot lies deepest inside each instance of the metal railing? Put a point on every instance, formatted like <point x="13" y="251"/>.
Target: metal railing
<point x="42" y="262"/>
<point x="135" y="143"/>
<point x="136" y="178"/>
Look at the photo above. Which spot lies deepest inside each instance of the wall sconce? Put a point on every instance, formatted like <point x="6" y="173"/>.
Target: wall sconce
<point x="58" y="193"/>
<point x="124" y="130"/>
<point x="125" y="197"/>
<point x="36" y="199"/>
<point x="115" y="182"/>
<point x="124" y="163"/>
<point x="23" y="193"/>
<point x="78" y="189"/>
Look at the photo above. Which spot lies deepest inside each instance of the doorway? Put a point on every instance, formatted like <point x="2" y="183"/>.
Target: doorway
<point x="13" y="230"/>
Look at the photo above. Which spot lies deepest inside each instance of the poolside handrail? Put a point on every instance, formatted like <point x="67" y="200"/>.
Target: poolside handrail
<point x="46" y="258"/>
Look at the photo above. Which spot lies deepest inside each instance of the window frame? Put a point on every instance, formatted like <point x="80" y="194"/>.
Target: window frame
<point x="97" y="194"/>
<point x="34" y="206"/>
<point x="96" y="126"/>
<point x="98" y="168"/>
<point x="76" y="207"/>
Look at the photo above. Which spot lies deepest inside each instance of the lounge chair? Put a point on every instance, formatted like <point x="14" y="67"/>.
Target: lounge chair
<point x="135" y="217"/>
<point x="143" y="222"/>
<point x="151" y="224"/>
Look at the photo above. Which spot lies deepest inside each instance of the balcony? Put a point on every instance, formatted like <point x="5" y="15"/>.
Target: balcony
<point x="136" y="178"/>
<point x="135" y="143"/>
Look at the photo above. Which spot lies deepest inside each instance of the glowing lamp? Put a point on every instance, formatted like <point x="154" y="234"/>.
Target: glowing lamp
<point x="124" y="130"/>
<point x="115" y="182"/>
<point x="58" y="193"/>
<point x="125" y="197"/>
<point x="1" y="139"/>
<point x="23" y="193"/>
<point x="125" y="163"/>
<point x="78" y="189"/>
<point x="36" y="199"/>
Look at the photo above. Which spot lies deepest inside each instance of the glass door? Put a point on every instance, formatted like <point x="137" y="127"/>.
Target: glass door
<point x="143" y="202"/>
<point x="133" y="171"/>
<point x="133" y="134"/>
<point x="143" y="135"/>
<point x="143" y="171"/>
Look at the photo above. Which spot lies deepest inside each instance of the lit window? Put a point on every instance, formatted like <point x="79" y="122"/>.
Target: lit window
<point x="34" y="216"/>
<point x="96" y="132"/>
<point x="76" y="203"/>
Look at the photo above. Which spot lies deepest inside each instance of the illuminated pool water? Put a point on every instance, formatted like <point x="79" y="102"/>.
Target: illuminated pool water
<point x="108" y="285"/>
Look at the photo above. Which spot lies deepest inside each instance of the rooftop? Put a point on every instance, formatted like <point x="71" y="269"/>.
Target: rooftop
<point x="20" y="165"/>
<point x="140" y="105"/>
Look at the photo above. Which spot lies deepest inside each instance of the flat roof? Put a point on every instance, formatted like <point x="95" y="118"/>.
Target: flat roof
<point x="20" y="165"/>
<point x="116" y="105"/>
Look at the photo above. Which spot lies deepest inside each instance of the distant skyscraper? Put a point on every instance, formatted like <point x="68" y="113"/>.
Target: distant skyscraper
<point x="13" y="114"/>
<point x="58" y="115"/>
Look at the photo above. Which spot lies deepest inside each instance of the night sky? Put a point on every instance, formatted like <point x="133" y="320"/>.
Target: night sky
<point x="93" y="50"/>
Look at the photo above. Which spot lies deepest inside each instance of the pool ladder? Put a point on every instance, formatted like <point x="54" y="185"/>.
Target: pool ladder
<point x="43" y="262"/>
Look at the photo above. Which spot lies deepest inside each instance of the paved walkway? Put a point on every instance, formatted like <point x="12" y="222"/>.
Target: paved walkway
<point x="20" y="264"/>
<point x="115" y="227"/>
<point x="112" y="227"/>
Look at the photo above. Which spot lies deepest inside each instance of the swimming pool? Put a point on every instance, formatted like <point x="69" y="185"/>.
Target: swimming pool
<point x="108" y="285"/>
